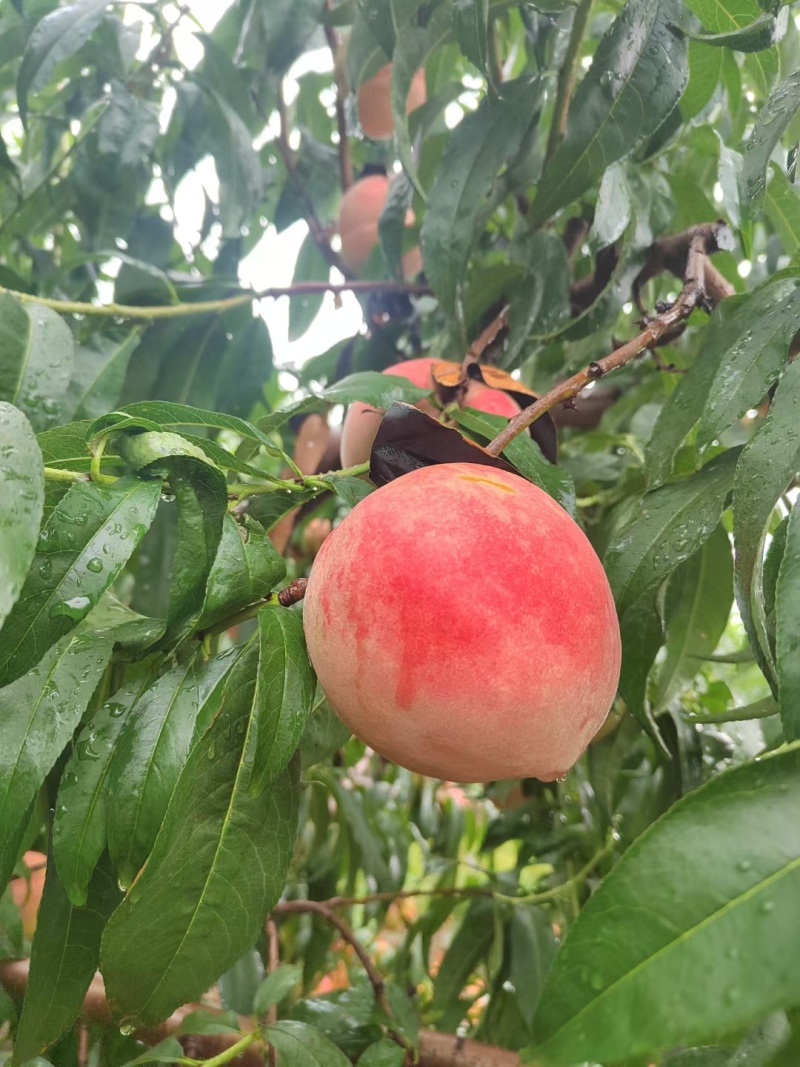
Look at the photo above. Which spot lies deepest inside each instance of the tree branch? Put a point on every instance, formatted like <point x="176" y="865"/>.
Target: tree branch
<point x="699" y="242"/>
<point x="204" y="307"/>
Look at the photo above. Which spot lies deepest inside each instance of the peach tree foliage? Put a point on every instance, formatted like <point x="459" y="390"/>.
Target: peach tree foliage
<point x="159" y="712"/>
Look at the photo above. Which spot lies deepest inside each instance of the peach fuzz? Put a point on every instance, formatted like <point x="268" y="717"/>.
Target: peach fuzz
<point x="461" y="625"/>
<point x="359" y="213"/>
<point x="27" y="892"/>
<point x="375" y="102"/>
<point x="362" y="421"/>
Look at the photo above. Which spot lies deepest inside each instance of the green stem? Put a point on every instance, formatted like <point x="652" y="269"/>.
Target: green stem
<point x="319" y="482"/>
<point x="567" y="76"/>
<point x="204" y="307"/>
<point x="231" y="1053"/>
<point x="98" y="449"/>
<point x="57" y="474"/>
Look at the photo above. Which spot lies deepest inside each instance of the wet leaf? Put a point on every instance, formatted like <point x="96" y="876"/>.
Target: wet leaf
<point x="787" y="629"/>
<point x="22" y="493"/>
<point x="772" y="121"/>
<point x="246" y="569"/>
<point x="36" y="356"/>
<point x="301" y="1045"/>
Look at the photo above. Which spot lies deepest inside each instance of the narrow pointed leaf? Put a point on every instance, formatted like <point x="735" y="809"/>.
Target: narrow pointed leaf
<point x="771" y="124"/>
<point x="767" y="321"/>
<point x="150" y="755"/>
<point x="218" y="864"/>
<point x="642" y="635"/>
<point x="86" y="542"/>
<point x="766" y="467"/>
<point x="648" y="963"/>
<point x="476" y="152"/>
<point x="670" y="525"/>
<point x="98" y="375"/>
<point x="637" y="77"/>
<point x="40" y="712"/>
<point x="246" y="569"/>
<point x="22" y="493"/>
<point x="787" y="629"/>
<point x="698" y="604"/>
<point x="301" y="1045"/>
<point x="782" y="207"/>
<point x="36" y="353"/>
<point x="64" y="958"/>
<point x="284" y="694"/>
<point x="80" y="822"/>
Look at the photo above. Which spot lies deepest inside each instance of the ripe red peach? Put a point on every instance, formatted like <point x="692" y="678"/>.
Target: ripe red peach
<point x="362" y="421"/>
<point x="359" y="212"/>
<point x="27" y="892"/>
<point x="375" y="102"/>
<point x="461" y="625"/>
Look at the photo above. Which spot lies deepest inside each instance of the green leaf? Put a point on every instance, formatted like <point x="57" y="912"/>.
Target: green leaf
<point x="484" y="141"/>
<point x="669" y="526"/>
<point x="771" y="124"/>
<point x="385" y="1053"/>
<point x="86" y="542"/>
<point x="365" y="56"/>
<point x="719" y="16"/>
<point x="201" y="495"/>
<point x="40" y="712"/>
<point x="365" y="836"/>
<point x="636" y="79"/>
<point x="466" y="952"/>
<point x="766" y="31"/>
<point x="152" y="748"/>
<point x="286" y="26"/>
<point x="471" y="27"/>
<point x="705" y="70"/>
<point x="698" y="604"/>
<point x="246" y="569"/>
<point x="767" y="465"/>
<point x="524" y="454"/>
<point x="310" y="266"/>
<point x="642" y="635"/>
<point x="98" y="375"/>
<point x="22" y="493"/>
<point x="218" y="865"/>
<point x="301" y="1045"/>
<point x="768" y="320"/>
<point x="36" y="354"/>
<point x="532" y="948"/>
<point x="379" y="390"/>
<point x="81" y="811"/>
<point x="685" y="404"/>
<point x="64" y="957"/>
<point x="277" y="986"/>
<point x="613" y="211"/>
<point x="686" y="939"/>
<point x="284" y="694"/>
<point x="413" y="45"/>
<point x="787" y="629"/>
<point x="782" y="206"/>
<point x="56" y="37"/>
<point x="539" y="305"/>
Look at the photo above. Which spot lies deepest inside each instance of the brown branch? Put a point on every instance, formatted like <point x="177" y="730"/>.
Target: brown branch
<point x="345" y="167"/>
<point x="293" y="593"/>
<point x="316" y="907"/>
<point x="484" y="339"/>
<point x="446" y="1050"/>
<point x="408" y="894"/>
<point x="14" y="979"/>
<point x="318" y="233"/>
<point x="703" y="239"/>
<point x="273" y="960"/>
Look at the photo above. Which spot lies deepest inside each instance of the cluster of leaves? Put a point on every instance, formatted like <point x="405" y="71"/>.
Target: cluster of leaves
<point x="163" y="739"/>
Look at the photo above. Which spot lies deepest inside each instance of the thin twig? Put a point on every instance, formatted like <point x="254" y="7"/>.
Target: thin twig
<point x="204" y="307"/>
<point x="484" y="339"/>
<point x="273" y="960"/>
<point x="693" y="293"/>
<point x="408" y="894"/>
<point x="567" y="76"/>
<point x="345" y="167"/>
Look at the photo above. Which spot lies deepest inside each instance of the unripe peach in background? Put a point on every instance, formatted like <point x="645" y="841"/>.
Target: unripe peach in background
<point x="375" y="102"/>
<point x="362" y="421"/>
<point x="461" y="625"/>
<point x="27" y="892"/>
<point x="359" y="212"/>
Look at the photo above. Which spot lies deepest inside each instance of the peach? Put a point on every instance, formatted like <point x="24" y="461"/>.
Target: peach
<point x="359" y="213"/>
<point x="375" y="102"/>
<point x="461" y="625"/>
<point x="27" y="892"/>
<point x="362" y="421"/>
